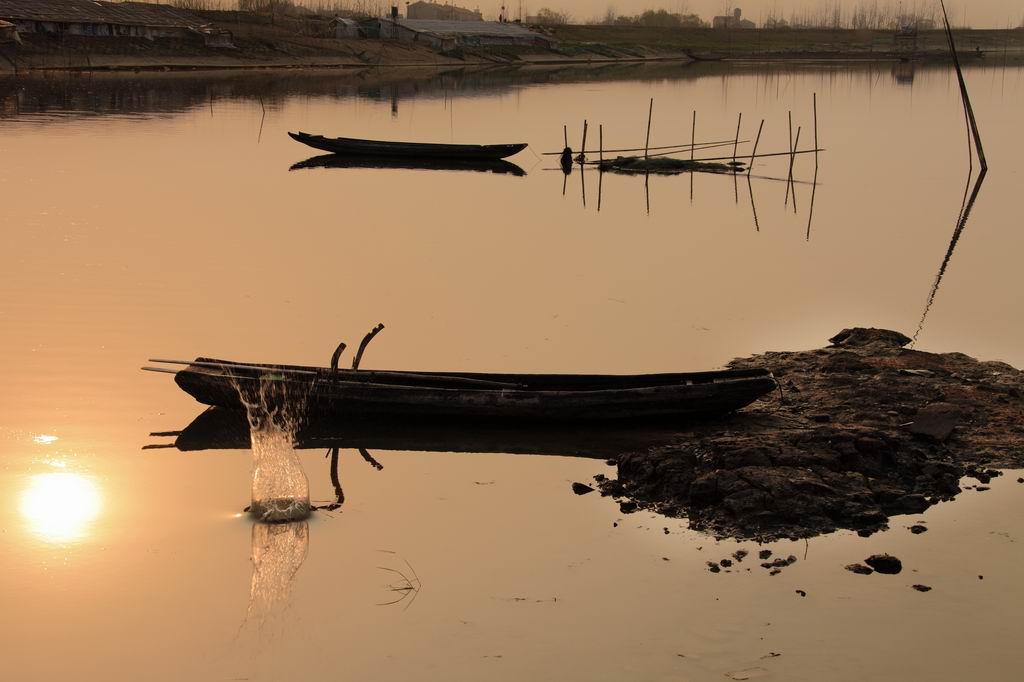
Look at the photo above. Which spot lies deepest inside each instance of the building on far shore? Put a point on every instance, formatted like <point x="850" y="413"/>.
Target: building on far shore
<point x="734" y="20"/>
<point x="345" y="28"/>
<point x="109" y="19"/>
<point x="445" y="36"/>
<point x="433" y="11"/>
<point x="8" y="32"/>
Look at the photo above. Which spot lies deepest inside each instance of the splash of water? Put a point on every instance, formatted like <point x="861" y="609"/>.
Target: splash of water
<point x="280" y="487"/>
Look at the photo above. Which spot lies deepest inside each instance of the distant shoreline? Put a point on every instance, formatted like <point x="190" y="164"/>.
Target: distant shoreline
<point x="576" y="45"/>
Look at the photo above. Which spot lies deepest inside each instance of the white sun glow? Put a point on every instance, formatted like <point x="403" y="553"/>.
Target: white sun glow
<point x="60" y="507"/>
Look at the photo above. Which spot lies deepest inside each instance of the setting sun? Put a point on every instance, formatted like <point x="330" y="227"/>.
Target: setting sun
<point x="59" y="507"/>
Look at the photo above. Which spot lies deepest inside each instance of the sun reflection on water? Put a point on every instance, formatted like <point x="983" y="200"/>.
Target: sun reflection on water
<point x="60" y="507"/>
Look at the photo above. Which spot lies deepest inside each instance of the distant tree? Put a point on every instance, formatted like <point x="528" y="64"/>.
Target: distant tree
<point x="265" y="6"/>
<point x="659" y="18"/>
<point x="193" y="4"/>
<point x="549" y="17"/>
<point x="609" y="16"/>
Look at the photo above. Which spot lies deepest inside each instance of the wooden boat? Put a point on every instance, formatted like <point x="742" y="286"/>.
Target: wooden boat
<point x="419" y="150"/>
<point x="312" y="393"/>
<point x="405" y="163"/>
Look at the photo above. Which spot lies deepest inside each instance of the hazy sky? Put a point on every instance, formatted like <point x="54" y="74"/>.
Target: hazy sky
<point x="980" y="13"/>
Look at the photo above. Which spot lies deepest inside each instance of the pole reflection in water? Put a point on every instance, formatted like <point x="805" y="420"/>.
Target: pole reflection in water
<point x="790" y="182"/>
<point x="814" y="192"/>
<point x="753" y="205"/>
<point x="961" y="223"/>
<point x="278" y="552"/>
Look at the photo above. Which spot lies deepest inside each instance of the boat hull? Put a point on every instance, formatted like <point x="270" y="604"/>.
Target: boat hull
<point x="320" y="393"/>
<point x="408" y="150"/>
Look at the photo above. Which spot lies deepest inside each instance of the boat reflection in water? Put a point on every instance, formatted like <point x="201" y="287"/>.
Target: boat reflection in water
<point x="223" y="429"/>
<point x="404" y="163"/>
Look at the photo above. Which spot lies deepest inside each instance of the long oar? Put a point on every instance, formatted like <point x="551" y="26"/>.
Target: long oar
<point x="684" y="145"/>
<point x="230" y="365"/>
<point x="347" y="375"/>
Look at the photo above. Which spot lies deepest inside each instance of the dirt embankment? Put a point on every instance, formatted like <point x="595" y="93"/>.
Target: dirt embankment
<point x="258" y="44"/>
<point x="785" y="44"/>
<point x="263" y="47"/>
<point x="864" y="429"/>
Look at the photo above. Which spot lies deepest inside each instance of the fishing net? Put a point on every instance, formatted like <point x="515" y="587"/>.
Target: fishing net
<point x="280" y="488"/>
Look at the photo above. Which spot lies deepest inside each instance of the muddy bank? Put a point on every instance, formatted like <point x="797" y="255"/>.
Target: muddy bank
<point x="861" y="430"/>
<point x="275" y="48"/>
<point x="993" y="45"/>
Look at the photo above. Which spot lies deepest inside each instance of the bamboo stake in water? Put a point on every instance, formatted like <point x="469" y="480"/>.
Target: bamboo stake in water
<point x="815" y="131"/>
<point x="600" y="147"/>
<point x="582" y="152"/>
<point x="693" y="134"/>
<point x="753" y="154"/>
<point x="565" y="134"/>
<point x="791" y="130"/>
<point x="693" y="143"/>
<point x="736" y="142"/>
<point x="792" y="159"/>
<point x="650" y="113"/>
<point x="968" y="109"/>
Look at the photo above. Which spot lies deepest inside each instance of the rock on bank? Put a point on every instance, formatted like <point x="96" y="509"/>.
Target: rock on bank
<point x="861" y="430"/>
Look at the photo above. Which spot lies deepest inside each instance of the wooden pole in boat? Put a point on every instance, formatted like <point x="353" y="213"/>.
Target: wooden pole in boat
<point x="736" y="142"/>
<point x="362" y="345"/>
<point x="650" y="114"/>
<point x="693" y="134"/>
<point x="337" y="356"/>
<point x="753" y="154"/>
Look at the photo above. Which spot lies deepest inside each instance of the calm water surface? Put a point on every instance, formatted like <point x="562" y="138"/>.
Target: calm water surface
<point x="158" y="216"/>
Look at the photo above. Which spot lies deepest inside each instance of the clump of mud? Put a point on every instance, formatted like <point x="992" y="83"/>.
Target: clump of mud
<point x="663" y="165"/>
<point x="864" y="429"/>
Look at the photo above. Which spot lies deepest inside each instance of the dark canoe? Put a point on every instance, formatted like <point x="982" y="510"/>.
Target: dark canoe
<point x="315" y="393"/>
<point x="406" y="163"/>
<point x="418" y="150"/>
